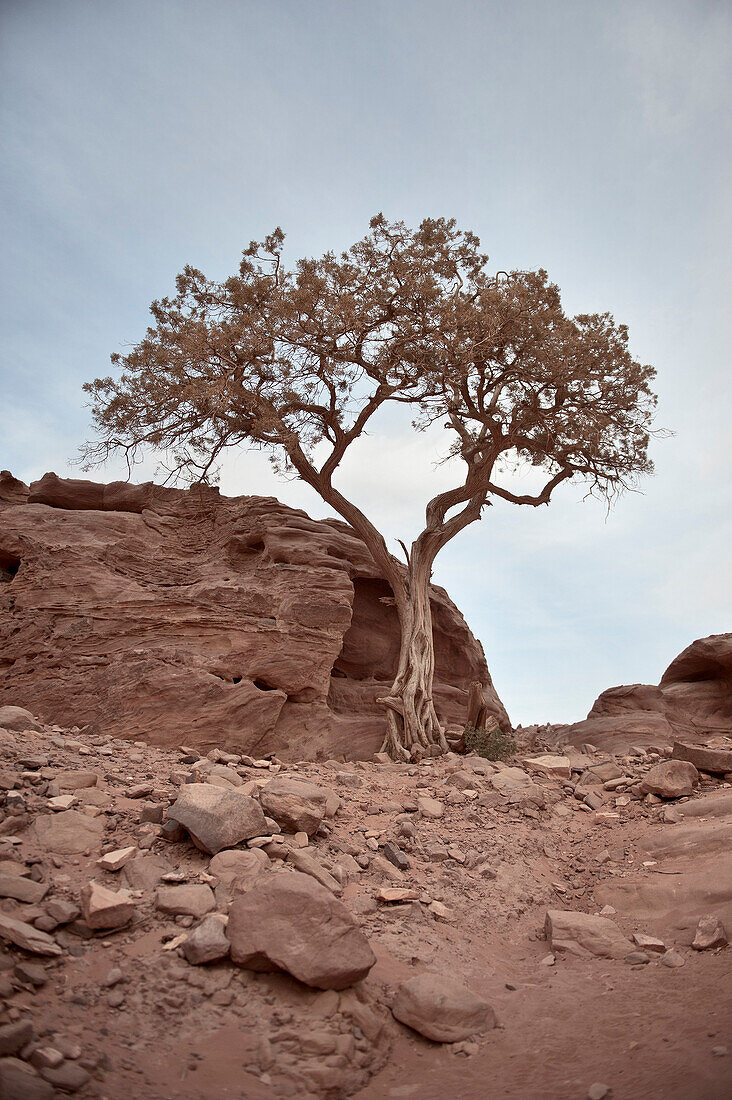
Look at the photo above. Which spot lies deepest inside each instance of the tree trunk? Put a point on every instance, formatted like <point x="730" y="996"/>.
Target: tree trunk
<point x="413" y="727"/>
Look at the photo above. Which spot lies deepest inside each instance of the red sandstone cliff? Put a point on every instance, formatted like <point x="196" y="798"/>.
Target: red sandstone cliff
<point x="181" y="616"/>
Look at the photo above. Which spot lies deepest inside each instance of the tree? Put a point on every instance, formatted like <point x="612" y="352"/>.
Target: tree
<point x="299" y="361"/>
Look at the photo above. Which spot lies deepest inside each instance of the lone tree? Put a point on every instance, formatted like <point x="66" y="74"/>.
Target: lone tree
<point x="299" y="361"/>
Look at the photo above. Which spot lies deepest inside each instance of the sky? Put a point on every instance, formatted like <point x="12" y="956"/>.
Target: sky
<point x="588" y="138"/>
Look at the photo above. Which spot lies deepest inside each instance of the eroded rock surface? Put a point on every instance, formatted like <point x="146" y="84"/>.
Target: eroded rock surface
<point x="184" y="616"/>
<point x="692" y="703"/>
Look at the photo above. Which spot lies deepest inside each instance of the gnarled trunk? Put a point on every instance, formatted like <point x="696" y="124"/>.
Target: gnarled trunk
<point x="413" y="727"/>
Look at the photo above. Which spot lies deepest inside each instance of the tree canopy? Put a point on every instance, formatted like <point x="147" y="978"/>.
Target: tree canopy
<point x="298" y="361"/>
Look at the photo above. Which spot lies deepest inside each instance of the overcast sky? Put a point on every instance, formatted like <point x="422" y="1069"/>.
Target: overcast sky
<point x="589" y="138"/>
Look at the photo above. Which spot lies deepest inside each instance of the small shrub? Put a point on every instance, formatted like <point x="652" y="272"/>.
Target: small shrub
<point x="491" y="744"/>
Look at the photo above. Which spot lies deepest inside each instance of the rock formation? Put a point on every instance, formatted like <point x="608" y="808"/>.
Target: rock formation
<point x="178" y="616"/>
<point x="692" y="703"/>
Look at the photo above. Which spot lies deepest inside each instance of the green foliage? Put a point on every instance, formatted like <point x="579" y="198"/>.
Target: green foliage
<point x="492" y="744"/>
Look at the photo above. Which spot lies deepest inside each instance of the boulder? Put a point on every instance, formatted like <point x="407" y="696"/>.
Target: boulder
<point x="585" y="934"/>
<point x="240" y="621"/>
<point x="68" y="833"/>
<point x="216" y="818"/>
<point x="185" y="901"/>
<point x="290" y="922"/>
<point x="207" y="943"/>
<point x="295" y="804"/>
<point x="18" y="719"/>
<point x="441" y="1008"/>
<point x="103" y="908"/>
<point x="710" y="934"/>
<point x="670" y="779"/>
<point x="716" y="761"/>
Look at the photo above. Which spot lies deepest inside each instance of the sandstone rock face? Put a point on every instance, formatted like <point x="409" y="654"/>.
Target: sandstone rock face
<point x="187" y="617"/>
<point x="692" y="702"/>
<point x="441" y="1008"/>
<point x="217" y="818"/>
<point x="290" y="922"/>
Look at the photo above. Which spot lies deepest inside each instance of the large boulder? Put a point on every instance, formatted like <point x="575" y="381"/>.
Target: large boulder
<point x="183" y="616"/>
<point x="670" y="779"/>
<point x="585" y="934"/>
<point x="441" y="1008"/>
<point x="290" y="922"/>
<point x="18" y="719"/>
<point x="217" y="818"/>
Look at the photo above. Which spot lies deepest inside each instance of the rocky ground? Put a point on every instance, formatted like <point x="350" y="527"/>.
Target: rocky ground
<point x="551" y="927"/>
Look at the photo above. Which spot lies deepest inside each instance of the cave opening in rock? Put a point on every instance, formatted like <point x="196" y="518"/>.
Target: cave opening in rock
<point x="9" y="566"/>
<point x="263" y="685"/>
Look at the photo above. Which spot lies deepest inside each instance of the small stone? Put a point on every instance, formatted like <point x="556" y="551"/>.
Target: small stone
<point x="189" y="901"/>
<point x="584" y="934"/>
<point x="719" y="1052"/>
<point x="116" y="860"/>
<point x="207" y="943"/>
<point x="103" y="908"/>
<point x="441" y="912"/>
<point x="396" y="856"/>
<point x="295" y="804"/>
<point x="430" y="808"/>
<point x="396" y="894"/>
<point x="46" y="1058"/>
<point x="673" y="959"/>
<point x="114" y="976"/>
<point x="649" y="943"/>
<point x="31" y="973"/>
<point x="635" y="958"/>
<point x="598" y="1091"/>
<point x="303" y="861"/>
